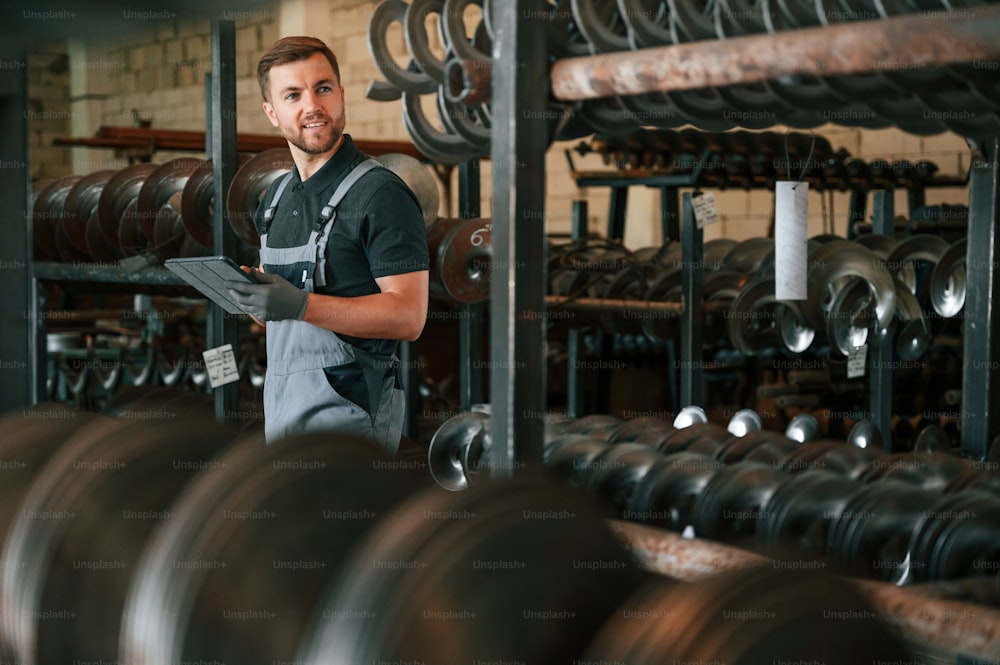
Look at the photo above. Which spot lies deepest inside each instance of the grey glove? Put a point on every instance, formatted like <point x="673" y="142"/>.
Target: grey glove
<point x="273" y="298"/>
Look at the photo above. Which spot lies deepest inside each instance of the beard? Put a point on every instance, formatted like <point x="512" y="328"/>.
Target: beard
<point x="317" y="143"/>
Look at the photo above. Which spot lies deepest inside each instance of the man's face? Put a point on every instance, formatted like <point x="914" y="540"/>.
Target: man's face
<point x="307" y="104"/>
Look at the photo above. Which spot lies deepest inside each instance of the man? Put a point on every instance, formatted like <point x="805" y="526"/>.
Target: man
<point x="343" y="262"/>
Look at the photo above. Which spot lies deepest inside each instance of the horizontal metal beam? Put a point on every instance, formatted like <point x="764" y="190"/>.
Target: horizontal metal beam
<point x="180" y="139"/>
<point x="850" y="48"/>
<point x="661" y="308"/>
<point x="941" y="626"/>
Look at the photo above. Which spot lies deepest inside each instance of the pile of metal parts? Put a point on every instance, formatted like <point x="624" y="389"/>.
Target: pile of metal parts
<point x="744" y="160"/>
<point x="857" y="291"/>
<point x="166" y="211"/>
<point x="89" y="370"/>
<point x="899" y="517"/>
<point x="214" y="547"/>
<point x="960" y="98"/>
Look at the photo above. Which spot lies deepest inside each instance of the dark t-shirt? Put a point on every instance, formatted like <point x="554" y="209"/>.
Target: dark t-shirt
<point x="379" y="230"/>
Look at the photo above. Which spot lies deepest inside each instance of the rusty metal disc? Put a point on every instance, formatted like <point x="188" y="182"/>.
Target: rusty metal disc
<point x="30" y="439"/>
<point x="506" y="572"/>
<point x="81" y="200"/>
<point x="465" y="261"/>
<point x="44" y="240"/>
<point x="757" y="615"/>
<point x="66" y="250"/>
<point x="131" y="239"/>
<point x="116" y="196"/>
<point x="159" y="186"/>
<point x="461" y="253"/>
<point x="97" y="245"/>
<point x="48" y="209"/>
<point x="81" y="528"/>
<point x="198" y="202"/>
<point x="248" y="187"/>
<point x="255" y="539"/>
<point x="168" y="229"/>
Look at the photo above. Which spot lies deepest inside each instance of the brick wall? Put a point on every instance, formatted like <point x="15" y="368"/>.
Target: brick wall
<point x="48" y="110"/>
<point x="155" y="70"/>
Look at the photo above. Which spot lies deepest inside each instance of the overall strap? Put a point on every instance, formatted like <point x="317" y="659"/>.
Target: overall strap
<point x="328" y="215"/>
<point x="269" y="213"/>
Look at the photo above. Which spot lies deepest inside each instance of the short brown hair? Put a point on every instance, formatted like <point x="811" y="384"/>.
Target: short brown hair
<point x="290" y="49"/>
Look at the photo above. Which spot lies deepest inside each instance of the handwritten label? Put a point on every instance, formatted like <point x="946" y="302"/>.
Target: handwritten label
<point x="705" y="211"/>
<point x="856" y="361"/>
<point x="220" y="363"/>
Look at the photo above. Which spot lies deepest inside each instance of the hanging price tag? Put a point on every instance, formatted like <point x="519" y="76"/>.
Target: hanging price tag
<point x="705" y="211"/>
<point x="790" y="243"/>
<point x="856" y="361"/>
<point x="220" y="363"/>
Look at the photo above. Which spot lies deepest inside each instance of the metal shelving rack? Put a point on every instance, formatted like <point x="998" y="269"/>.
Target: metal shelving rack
<point x="27" y="352"/>
<point x="517" y="381"/>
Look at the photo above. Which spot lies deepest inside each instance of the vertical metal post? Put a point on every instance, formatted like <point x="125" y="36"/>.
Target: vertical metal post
<point x="470" y="330"/>
<point x="616" y="212"/>
<point x="856" y="214"/>
<point x="519" y="140"/>
<point x="692" y="368"/>
<point x="22" y="359"/>
<point x="880" y="354"/>
<point x="670" y="211"/>
<point x="981" y="355"/>
<point x="574" y="379"/>
<point x="223" y="329"/>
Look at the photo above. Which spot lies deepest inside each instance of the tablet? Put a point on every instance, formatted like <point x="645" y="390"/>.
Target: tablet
<point x="209" y="275"/>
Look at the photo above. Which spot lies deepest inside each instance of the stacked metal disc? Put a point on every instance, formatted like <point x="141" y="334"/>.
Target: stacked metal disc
<point x="168" y="210"/>
<point x="214" y="547"/>
<point x="961" y="98"/>
<point x="858" y="292"/>
<point x="756" y="160"/>
<point x="165" y="210"/>
<point x="898" y="517"/>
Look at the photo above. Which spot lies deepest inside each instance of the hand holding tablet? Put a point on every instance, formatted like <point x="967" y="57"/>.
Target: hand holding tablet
<point x="209" y="274"/>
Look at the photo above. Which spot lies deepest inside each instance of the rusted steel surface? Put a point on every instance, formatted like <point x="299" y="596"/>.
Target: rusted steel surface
<point x="937" y="625"/>
<point x="943" y="626"/>
<point x="881" y="45"/>
<point x="174" y="139"/>
<point x="682" y="558"/>
<point x="469" y="81"/>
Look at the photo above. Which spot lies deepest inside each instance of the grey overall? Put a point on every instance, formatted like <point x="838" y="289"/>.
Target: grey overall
<point x="315" y="380"/>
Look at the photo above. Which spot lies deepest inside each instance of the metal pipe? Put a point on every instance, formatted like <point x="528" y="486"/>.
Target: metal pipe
<point x="468" y="81"/>
<point x="681" y="558"/>
<point x="637" y="306"/>
<point x="943" y="626"/>
<point x="613" y="304"/>
<point x="850" y="48"/>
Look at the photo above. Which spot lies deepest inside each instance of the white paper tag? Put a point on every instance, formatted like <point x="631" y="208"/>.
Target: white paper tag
<point x="856" y="361"/>
<point x="705" y="211"/>
<point x="220" y="363"/>
<point x="791" y="205"/>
